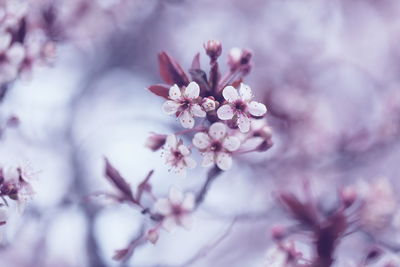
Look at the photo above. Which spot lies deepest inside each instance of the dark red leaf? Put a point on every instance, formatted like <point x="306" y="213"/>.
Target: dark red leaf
<point x="144" y="186"/>
<point x="200" y="77"/>
<point x="160" y="90"/>
<point x="304" y="213"/>
<point x="171" y="72"/>
<point x="118" y="181"/>
<point x="196" y="62"/>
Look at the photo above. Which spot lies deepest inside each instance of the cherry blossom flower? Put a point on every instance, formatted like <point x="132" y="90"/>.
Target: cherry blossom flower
<point x="11" y="55"/>
<point x="380" y="205"/>
<point x="177" y="155"/>
<point x="14" y="185"/>
<point x="184" y="104"/>
<point x="240" y="105"/>
<point x="216" y="146"/>
<point x="176" y="209"/>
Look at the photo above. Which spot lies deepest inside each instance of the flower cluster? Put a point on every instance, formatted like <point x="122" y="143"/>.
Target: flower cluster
<point x="14" y="186"/>
<point x="164" y="213"/>
<point x="217" y="112"/>
<point x="367" y="209"/>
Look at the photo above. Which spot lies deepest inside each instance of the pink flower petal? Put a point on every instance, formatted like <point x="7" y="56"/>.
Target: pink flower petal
<point x="192" y="90"/>
<point x="170" y="107"/>
<point x="217" y="130"/>
<point x="190" y="163"/>
<point x="184" y="150"/>
<point x="224" y="161"/>
<point x="163" y="206"/>
<point x="231" y="143"/>
<point x="243" y="123"/>
<point x="230" y="94"/>
<point x="197" y="111"/>
<point x="201" y="140"/>
<point x="175" y="196"/>
<point x="257" y="109"/>
<point x="208" y="159"/>
<point x="245" y="92"/>
<point x="5" y="41"/>
<point x="171" y="141"/>
<point x="175" y="92"/>
<point x="186" y="221"/>
<point x="169" y="223"/>
<point x="225" y="112"/>
<point x="186" y="119"/>
<point x="189" y="202"/>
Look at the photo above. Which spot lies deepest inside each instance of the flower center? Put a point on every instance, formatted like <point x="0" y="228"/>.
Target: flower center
<point x="177" y="210"/>
<point x="185" y="104"/>
<point x="216" y="146"/>
<point x="177" y="155"/>
<point x="239" y="105"/>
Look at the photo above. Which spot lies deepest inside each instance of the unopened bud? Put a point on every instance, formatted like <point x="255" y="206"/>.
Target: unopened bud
<point x="209" y="103"/>
<point x="239" y="58"/>
<point x="213" y="49"/>
<point x="278" y="232"/>
<point x="348" y="196"/>
<point x="152" y="235"/>
<point x="155" y="141"/>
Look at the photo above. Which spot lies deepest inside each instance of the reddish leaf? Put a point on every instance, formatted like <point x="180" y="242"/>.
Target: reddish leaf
<point x="160" y="90"/>
<point x="196" y="62"/>
<point x="171" y="72"/>
<point x="200" y="77"/>
<point x="144" y="186"/>
<point x="302" y="212"/>
<point x="118" y="181"/>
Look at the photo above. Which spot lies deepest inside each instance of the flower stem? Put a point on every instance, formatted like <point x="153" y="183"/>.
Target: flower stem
<point x="212" y="174"/>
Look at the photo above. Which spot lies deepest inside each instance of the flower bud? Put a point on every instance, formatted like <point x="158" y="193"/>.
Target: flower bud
<point x="155" y="141"/>
<point x="213" y="49"/>
<point x="152" y="235"/>
<point x="265" y="133"/>
<point x="278" y="232"/>
<point x="209" y="103"/>
<point x="239" y="58"/>
<point x="348" y="196"/>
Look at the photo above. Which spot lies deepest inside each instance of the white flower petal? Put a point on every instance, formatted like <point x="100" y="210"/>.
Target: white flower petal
<point x="230" y="94"/>
<point x="5" y="41"/>
<point x="175" y="92"/>
<point x="175" y="196"/>
<point x="184" y="150"/>
<point x="190" y="162"/>
<point x="245" y="92"/>
<point x="189" y="202"/>
<point x="208" y="159"/>
<point x="217" y="130"/>
<point x="171" y="141"/>
<point x="169" y="223"/>
<point x="197" y="111"/>
<point x="163" y="206"/>
<point x="192" y="90"/>
<point x="16" y="53"/>
<point x="186" y="119"/>
<point x="186" y="221"/>
<point x="225" y="112"/>
<point x="257" y="109"/>
<point x="170" y="107"/>
<point x="224" y="161"/>
<point x="243" y="123"/>
<point x="231" y="143"/>
<point x="201" y="140"/>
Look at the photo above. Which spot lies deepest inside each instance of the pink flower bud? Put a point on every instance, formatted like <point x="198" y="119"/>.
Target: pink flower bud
<point x="348" y="196"/>
<point x="155" y="141"/>
<point x="213" y="49"/>
<point x="239" y="58"/>
<point x="209" y="103"/>
<point x="278" y="232"/>
<point x="152" y="235"/>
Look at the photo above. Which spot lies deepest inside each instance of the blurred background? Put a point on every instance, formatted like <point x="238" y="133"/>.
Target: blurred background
<point x="328" y="72"/>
